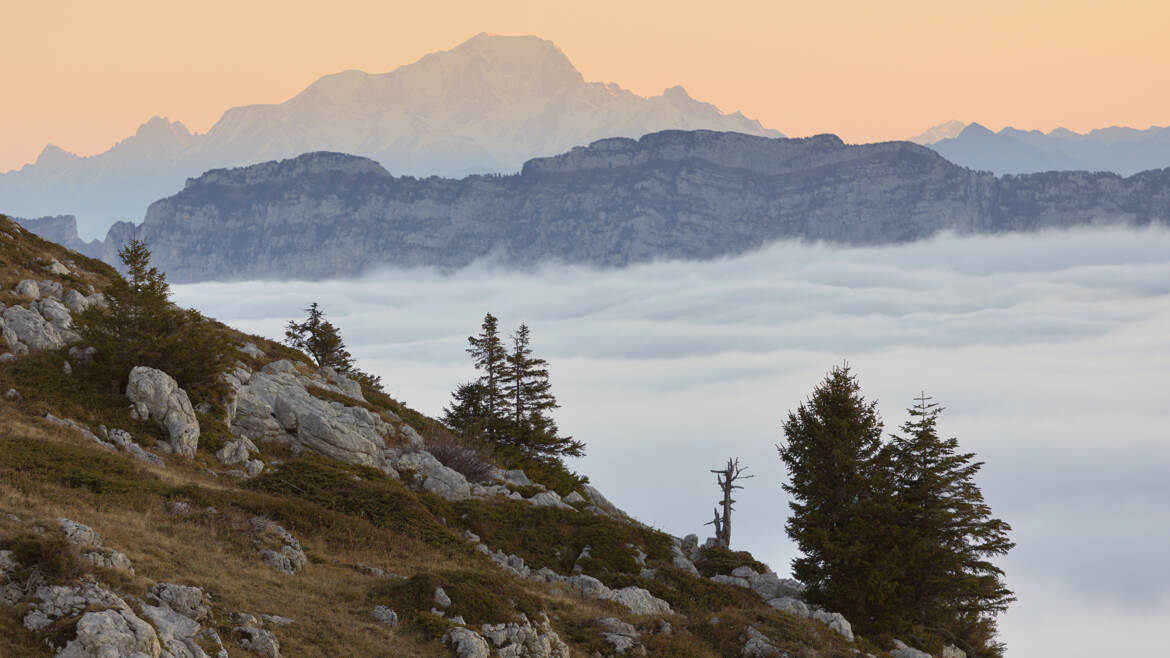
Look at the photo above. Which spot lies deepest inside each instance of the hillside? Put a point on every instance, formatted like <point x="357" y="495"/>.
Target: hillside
<point x="486" y="105"/>
<point x="677" y="195"/>
<point x="304" y="514"/>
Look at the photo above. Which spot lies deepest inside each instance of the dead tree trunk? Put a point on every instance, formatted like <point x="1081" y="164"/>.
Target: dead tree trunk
<point x="726" y="479"/>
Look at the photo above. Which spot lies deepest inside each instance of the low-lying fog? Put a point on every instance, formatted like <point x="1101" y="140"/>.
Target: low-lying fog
<point x="1051" y="354"/>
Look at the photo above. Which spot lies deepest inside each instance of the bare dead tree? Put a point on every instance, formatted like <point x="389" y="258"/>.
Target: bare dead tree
<point x="726" y="478"/>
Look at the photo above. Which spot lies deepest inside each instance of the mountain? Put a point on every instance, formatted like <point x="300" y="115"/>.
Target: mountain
<point x="1124" y="151"/>
<point x="673" y="194"/>
<point x="938" y="133"/>
<point x="484" y="106"/>
<point x="295" y="511"/>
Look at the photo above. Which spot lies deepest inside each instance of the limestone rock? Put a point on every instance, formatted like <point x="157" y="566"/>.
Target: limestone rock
<point x="758" y="645"/>
<point x="7" y="357"/>
<point x="386" y="616"/>
<point x="951" y="651"/>
<point x="275" y="404"/>
<point x="55" y="267"/>
<point x="80" y="535"/>
<point x="27" y="330"/>
<point x="259" y="641"/>
<point x="110" y="560"/>
<point x="547" y="499"/>
<point x="185" y="600"/>
<point x="902" y="650"/>
<point x="157" y="396"/>
<point x="574" y="498"/>
<point x="111" y="633"/>
<point x="526" y="639"/>
<point x="252" y="350"/>
<point x="236" y="451"/>
<point x="12" y="395"/>
<point x="638" y="600"/>
<point x="619" y="634"/>
<point x="75" y="301"/>
<point x="731" y="580"/>
<point x="289" y="557"/>
<point x="27" y="288"/>
<point x="436" y="478"/>
<point x="466" y="643"/>
<point x="835" y="621"/>
<point x="789" y="604"/>
<point x="441" y="598"/>
<point x="176" y="632"/>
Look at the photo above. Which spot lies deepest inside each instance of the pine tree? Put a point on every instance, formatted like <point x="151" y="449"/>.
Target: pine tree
<point x="139" y="326"/>
<point x="489" y="356"/>
<point x="320" y="339"/>
<point x="841" y="502"/>
<point x="949" y="586"/>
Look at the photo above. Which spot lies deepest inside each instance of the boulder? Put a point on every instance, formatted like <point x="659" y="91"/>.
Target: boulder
<point x="26" y="330"/>
<point x="835" y="621"/>
<point x="466" y="643"/>
<point x="237" y="451"/>
<point x="620" y="635"/>
<point x="112" y="633"/>
<point x="526" y="639"/>
<point x="574" y="498"/>
<point x="436" y="478"/>
<point x="386" y="616"/>
<point x="731" y="580"/>
<point x="903" y="650"/>
<point x="80" y="535"/>
<point x="547" y="499"/>
<point x="12" y="395"/>
<point x="55" y="267"/>
<point x="441" y="598"/>
<point x="261" y="642"/>
<point x="157" y="396"/>
<point x="789" y="604"/>
<point x="50" y="289"/>
<point x="7" y="357"/>
<point x="75" y="301"/>
<point x="638" y="600"/>
<point x="176" y="632"/>
<point x="27" y="288"/>
<point x="951" y="651"/>
<point x="185" y="600"/>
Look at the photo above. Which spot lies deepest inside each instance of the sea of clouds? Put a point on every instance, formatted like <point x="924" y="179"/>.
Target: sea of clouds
<point x="1050" y="352"/>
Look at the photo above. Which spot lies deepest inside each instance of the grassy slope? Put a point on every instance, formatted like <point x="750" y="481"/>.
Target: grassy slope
<point x="344" y="516"/>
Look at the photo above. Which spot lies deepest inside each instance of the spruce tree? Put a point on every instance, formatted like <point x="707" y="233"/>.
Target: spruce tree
<point x="841" y="501"/>
<point x="139" y="326"/>
<point x="489" y="356"/>
<point x="530" y="400"/>
<point x="949" y="586"/>
<point x="467" y="414"/>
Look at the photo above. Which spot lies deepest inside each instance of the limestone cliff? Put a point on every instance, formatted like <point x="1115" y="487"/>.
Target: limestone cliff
<point x="673" y="194"/>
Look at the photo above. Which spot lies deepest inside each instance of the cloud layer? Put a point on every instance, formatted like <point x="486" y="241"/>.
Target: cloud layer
<point x="1051" y="353"/>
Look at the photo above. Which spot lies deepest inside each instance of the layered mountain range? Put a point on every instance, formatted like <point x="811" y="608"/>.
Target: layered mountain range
<point x="668" y="195"/>
<point x="486" y="105"/>
<point x="1122" y="151"/>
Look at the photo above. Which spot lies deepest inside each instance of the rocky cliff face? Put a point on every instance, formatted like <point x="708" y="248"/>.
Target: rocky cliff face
<point x="674" y="194"/>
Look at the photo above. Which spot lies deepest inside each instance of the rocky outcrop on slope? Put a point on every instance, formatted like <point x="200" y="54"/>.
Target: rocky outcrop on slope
<point x="156" y="396"/>
<point x="685" y="195"/>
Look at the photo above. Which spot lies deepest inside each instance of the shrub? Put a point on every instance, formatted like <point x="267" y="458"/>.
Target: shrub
<point x="473" y="461"/>
<point x="714" y="560"/>
<point x="480" y="598"/>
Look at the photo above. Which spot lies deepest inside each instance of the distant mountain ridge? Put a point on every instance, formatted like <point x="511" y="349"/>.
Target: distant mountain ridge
<point x="1124" y="151"/>
<point x="673" y="194"/>
<point x="487" y="105"/>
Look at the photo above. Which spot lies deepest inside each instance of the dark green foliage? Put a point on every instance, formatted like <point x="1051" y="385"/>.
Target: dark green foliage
<point x="104" y="477"/>
<point x="841" y="502"/>
<point x="948" y="585"/>
<point x="468" y="413"/>
<point x="375" y="496"/>
<point x="141" y="327"/>
<point x="317" y="337"/>
<point x="550" y="537"/>
<point x="714" y="560"/>
<point x="480" y="598"/>
<point x="488" y="354"/>
<point x="548" y="471"/>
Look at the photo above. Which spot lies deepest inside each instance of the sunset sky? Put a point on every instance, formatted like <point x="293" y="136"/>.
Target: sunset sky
<point x="83" y="75"/>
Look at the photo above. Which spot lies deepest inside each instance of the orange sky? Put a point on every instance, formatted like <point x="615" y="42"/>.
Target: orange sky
<point x="84" y="74"/>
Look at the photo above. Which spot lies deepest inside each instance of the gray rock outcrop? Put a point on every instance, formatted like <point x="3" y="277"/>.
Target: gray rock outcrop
<point x="155" y="395"/>
<point x="466" y="643"/>
<point x="638" y="600"/>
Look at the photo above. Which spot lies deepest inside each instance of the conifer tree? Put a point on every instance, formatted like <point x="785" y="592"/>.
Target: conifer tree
<point x="139" y="326"/>
<point x="949" y="586"/>
<point x="467" y="414"/>
<point x="320" y="339"/>
<point x="530" y="399"/>
<point x="841" y="502"/>
<point x="488" y="354"/>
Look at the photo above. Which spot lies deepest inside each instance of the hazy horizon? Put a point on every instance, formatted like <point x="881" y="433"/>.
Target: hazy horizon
<point x="799" y="69"/>
<point x="1048" y="350"/>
